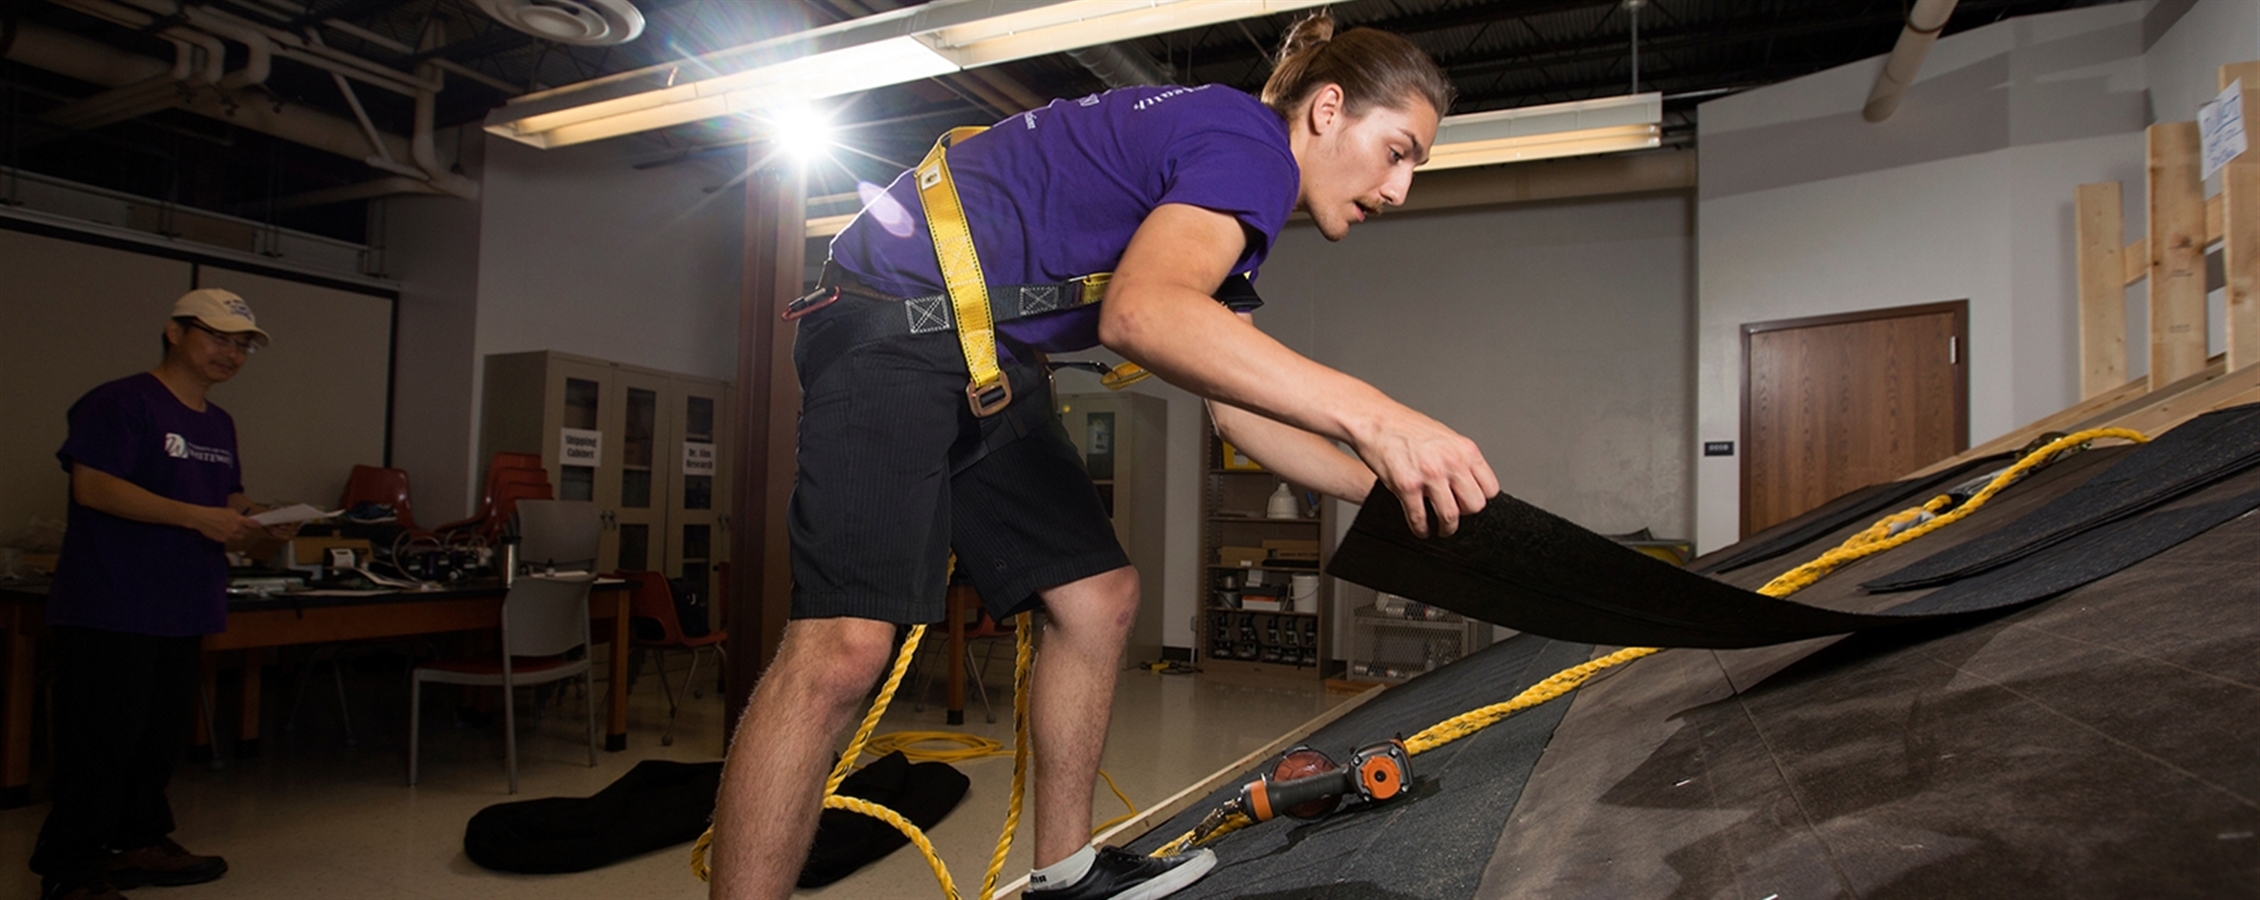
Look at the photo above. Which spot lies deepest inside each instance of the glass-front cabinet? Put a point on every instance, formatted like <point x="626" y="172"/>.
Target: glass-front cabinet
<point x="649" y="448"/>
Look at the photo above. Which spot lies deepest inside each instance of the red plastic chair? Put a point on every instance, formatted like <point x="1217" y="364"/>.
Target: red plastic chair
<point x="509" y="480"/>
<point x="653" y="600"/>
<point x="372" y="484"/>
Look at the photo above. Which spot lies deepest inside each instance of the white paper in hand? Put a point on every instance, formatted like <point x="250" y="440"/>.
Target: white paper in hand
<point x="294" y="513"/>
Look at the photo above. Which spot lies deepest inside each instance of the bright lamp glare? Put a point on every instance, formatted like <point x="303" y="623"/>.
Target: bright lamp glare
<point x="801" y="131"/>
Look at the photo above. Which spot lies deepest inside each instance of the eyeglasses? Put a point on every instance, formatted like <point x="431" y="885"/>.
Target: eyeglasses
<point x="246" y="345"/>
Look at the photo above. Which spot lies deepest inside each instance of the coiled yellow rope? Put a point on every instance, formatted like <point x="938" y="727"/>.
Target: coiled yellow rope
<point x="974" y="748"/>
<point x="1891" y="531"/>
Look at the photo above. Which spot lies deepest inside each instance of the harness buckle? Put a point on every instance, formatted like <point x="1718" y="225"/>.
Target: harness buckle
<point x="811" y="302"/>
<point x="988" y="401"/>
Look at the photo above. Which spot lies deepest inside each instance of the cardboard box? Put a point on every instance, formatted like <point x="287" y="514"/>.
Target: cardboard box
<point x="1241" y="556"/>
<point x="1304" y="551"/>
<point x="1259" y="604"/>
<point x="1237" y="461"/>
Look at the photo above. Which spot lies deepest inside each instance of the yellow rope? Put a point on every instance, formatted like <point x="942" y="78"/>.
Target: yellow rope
<point x="909" y="829"/>
<point x="1555" y="685"/>
<point x="1023" y="661"/>
<point x="1891" y="531"/>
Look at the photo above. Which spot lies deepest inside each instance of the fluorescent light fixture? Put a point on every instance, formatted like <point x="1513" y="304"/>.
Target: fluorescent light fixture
<point x="857" y="55"/>
<point x="1055" y="27"/>
<point x="1577" y="128"/>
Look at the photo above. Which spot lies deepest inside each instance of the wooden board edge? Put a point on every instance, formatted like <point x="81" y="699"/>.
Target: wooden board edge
<point x="2227" y="390"/>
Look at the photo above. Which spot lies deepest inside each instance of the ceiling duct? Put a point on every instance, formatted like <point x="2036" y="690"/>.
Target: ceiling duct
<point x="582" y="23"/>
<point x="1119" y="66"/>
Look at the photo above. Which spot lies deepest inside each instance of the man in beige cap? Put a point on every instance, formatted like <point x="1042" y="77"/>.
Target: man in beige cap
<point x="156" y="496"/>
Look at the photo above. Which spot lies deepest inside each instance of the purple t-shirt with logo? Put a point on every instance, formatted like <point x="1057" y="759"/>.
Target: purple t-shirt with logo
<point x="1056" y="192"/>
<point x="121" y="575"/>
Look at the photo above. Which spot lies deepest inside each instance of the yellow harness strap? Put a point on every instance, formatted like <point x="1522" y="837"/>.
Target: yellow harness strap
<point x="988" y="391"/>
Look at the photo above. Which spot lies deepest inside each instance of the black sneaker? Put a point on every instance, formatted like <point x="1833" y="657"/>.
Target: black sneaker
<point x="1120" y="875"/>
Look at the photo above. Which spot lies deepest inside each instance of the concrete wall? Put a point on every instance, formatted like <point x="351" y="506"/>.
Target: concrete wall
<point x="1807" y="209"/>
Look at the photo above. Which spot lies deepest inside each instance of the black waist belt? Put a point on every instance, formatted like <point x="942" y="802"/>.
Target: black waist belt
<point x="931" y="313"/>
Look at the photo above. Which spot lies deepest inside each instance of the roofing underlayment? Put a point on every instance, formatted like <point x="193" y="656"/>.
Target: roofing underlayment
<point x="2064" y="701"/>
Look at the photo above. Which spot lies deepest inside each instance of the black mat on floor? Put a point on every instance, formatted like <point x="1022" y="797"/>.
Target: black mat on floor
<point x="655" y="805"/>
<point x="1430" y="843"/>
<point x="2199" y="452"/>
<point x="1519" y="566"/>
<point x="925" y="793"/>
<point x="1862" y="507"/>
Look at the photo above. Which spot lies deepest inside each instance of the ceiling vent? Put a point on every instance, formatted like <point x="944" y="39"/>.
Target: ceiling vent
<point x="585" y="23"/>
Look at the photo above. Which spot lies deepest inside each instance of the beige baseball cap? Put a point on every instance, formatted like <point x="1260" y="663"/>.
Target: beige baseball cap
<point x="221" y="311"/>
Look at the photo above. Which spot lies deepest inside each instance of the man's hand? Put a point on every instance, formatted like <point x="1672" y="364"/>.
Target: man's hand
<point x="1426" y="464"/>
<point x="221" y="524"/>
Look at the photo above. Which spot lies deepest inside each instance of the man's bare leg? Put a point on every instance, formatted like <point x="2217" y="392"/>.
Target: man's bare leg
<point x="773" y="779"/>
<point x="1070" y="700"/>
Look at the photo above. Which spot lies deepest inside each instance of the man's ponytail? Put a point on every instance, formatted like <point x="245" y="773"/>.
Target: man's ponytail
<point x="1374" y="68"/>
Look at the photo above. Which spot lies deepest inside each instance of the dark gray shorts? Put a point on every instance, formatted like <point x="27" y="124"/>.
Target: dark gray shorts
<point x="895" y="472"/>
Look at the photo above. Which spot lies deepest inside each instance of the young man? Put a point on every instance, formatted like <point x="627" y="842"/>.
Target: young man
<point x="156" y="496"/>
<point x="902" y="460"/>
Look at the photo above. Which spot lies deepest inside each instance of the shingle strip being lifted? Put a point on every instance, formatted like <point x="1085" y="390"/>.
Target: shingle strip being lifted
<point x="1517" y="565"/>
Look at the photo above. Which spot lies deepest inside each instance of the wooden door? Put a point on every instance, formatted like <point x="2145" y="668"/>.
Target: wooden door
<point x="1835" y="403"/>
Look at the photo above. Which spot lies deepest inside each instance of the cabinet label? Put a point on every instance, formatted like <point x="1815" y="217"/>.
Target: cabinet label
<point x="698" y="458"/>
<point x="580" y="447"/>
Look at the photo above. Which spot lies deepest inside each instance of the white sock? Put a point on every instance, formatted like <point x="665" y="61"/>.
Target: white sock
<point x="1065" y="872"/>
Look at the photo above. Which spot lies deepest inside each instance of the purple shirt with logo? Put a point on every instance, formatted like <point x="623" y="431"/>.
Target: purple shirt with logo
<point x="1055" y="193"/>
<point x="121" y="575"/>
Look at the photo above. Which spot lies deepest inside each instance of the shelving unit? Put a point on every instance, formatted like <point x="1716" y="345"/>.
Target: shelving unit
<point x="1294" y="641"/>
<point x="1392" y="648"/>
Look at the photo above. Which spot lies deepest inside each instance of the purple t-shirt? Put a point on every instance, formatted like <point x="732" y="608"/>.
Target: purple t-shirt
<point x="1055" y="193"/>
<point x="121" y="575"/>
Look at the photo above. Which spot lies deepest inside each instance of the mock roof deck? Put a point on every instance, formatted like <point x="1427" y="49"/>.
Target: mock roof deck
<point x="2099" y="743"/>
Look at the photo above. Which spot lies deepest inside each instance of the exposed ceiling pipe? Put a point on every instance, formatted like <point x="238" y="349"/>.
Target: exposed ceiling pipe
<point x="215" y="53"/>
<point x="351" y="30"/>
<point x="1924" y="22"/>
<point x="1119" y="66"/>
<point x="389" y="186"/>
<point x="297" y="13"/>
<point x="88" y="112"/>
<point x="314" y="53"/>
<point x="420" y="145"/>
<point x="99" y="63"/>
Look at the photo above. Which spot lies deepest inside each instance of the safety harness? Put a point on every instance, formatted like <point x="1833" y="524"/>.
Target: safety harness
<point x="972" y="306"/>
